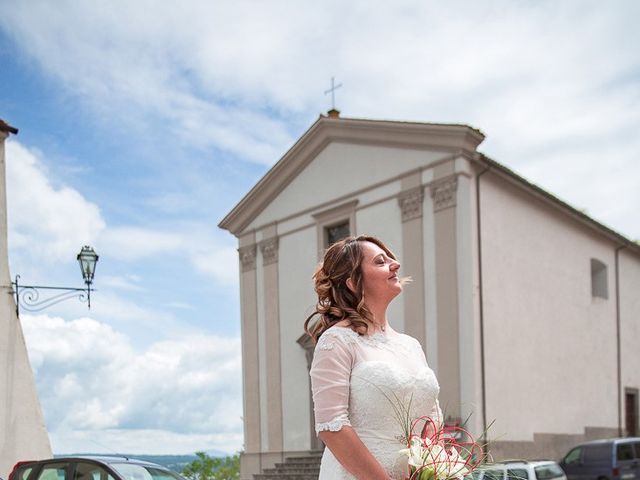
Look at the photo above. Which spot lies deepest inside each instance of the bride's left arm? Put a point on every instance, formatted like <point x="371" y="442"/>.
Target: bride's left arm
<point x="330" y="383"/>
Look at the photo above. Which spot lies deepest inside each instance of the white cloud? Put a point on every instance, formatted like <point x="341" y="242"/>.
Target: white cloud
<point x="553" y="84"/>
<point x="203" y="249"/>
<point x="59" y="220"/>
<point x="40" y="213"/>
<point x="128" y="282"/>
<point x="138" y="243"/>
<point x="536" y="77"/>
<point x="90" y="379"/>
<point x="136" y="62"/>
<point x="214" y="259"/>
<point x="180" y="305"/>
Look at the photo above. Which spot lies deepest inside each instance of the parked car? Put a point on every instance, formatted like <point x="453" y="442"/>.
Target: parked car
<point x="520" y="470"/>
<point x="91" y="468"/>
<point x="612" y="459"/>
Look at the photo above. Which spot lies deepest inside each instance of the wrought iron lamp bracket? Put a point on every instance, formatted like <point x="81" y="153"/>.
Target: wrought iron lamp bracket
<point x="28" y="296"/>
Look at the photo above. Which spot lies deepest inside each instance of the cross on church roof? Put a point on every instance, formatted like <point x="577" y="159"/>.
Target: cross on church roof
<point x="332" y="90"/>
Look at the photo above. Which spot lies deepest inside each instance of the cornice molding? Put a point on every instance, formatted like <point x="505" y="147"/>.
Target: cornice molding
<point x="247" y="257"/>
<point x="452" y="138"/>
<point x="410" y="202"/>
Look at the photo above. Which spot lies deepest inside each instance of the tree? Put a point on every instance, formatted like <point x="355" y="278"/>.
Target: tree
<point x="213" y="468"/>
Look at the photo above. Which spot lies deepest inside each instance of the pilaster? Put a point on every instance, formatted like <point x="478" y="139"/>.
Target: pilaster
<point x="247" y="256"/>
<point x="410" y="201"/>
<point x="269" y="252"/>
<point x="443" y="191"/>
<point x="250" y="345"/>
<point x="468" y="317"/>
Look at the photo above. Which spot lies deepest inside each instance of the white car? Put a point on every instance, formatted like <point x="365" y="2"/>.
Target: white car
<point x="520" y="470"/>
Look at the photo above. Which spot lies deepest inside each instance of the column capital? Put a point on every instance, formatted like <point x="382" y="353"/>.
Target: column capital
<point x="269" y="250"/>
<point x="410" y="202"/>
<point x="443" y="193"/>
<point x="247" y="256"/>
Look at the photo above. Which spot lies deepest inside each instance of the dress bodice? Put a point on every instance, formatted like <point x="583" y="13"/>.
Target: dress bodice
<point x="377" y="384"/>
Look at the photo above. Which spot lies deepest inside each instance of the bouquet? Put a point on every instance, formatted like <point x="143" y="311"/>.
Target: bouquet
<point x="440" y="453"/>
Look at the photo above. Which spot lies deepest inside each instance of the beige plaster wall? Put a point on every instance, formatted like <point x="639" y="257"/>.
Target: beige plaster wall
<point x="297" y="264"/>
<point x="340" y="170"/>
<point x="377" y="213"/>
<point x="468" y="301"/>
<point x="629" y="322"/>
<point x="262" y="354"/>
<point x="370" y="179"/>
<point x="430" y="280"/>
<point x="23" y="434"/>
<point x="383" y="220"/>
<point x="550" y="347"/>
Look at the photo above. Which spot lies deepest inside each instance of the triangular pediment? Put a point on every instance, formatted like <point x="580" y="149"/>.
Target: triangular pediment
<point x="448" y="138"/>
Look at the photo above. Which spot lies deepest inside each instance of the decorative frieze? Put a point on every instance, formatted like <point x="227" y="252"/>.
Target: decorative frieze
<point x="444" y="193"/>
<point x="269" y="249"/>
<point x="248" y="257"/>
<point x="411" y="203"/>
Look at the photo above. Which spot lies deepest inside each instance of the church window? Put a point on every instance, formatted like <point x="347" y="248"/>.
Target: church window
<point x="335" y="233"/>
<point x="599" y="286"/>
<point x="334" y="224"/>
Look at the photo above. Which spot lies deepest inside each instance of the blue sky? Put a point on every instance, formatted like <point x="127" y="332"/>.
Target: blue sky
<point x="143" y="123"/>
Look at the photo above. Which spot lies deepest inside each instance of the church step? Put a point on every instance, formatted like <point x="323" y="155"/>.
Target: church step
<point x="286" y="476"/>
<point x="293" y="469"/>
<point x="303" y="460"/>
<point x="305" y="467"/>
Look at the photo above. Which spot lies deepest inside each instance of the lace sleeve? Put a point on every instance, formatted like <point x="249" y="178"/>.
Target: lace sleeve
<point x="330" y="376"/>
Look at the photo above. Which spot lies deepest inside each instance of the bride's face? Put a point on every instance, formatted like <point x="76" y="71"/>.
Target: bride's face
<point x="379" y="273"/>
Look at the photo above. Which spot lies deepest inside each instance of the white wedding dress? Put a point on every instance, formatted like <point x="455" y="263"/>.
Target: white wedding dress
<point x="368" y="382"/>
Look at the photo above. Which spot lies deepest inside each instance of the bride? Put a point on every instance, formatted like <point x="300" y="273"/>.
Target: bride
<point x="368" y="381"/>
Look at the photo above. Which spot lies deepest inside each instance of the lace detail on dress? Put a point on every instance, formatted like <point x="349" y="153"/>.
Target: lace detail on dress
<point x="328" y="339"/>
<point x="377" y="340"/>
<point x="379" y="390"/>
<point x="366" y="380"/>
<point x="334" y="425"/>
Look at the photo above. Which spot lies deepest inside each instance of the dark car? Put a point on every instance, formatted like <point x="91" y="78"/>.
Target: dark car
<point x="91" y="468"/>
<point x="612" y="459"/>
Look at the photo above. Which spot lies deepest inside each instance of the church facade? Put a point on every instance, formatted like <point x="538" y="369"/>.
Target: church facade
<point x="23" y="435"/>
<point x="527" y="309"/>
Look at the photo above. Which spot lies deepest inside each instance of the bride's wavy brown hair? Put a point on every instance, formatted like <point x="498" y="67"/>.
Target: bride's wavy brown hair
<point x="336" y="302"/>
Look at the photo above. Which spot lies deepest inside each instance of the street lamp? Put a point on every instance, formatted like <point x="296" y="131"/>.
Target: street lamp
<point x="28" y="296"/>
